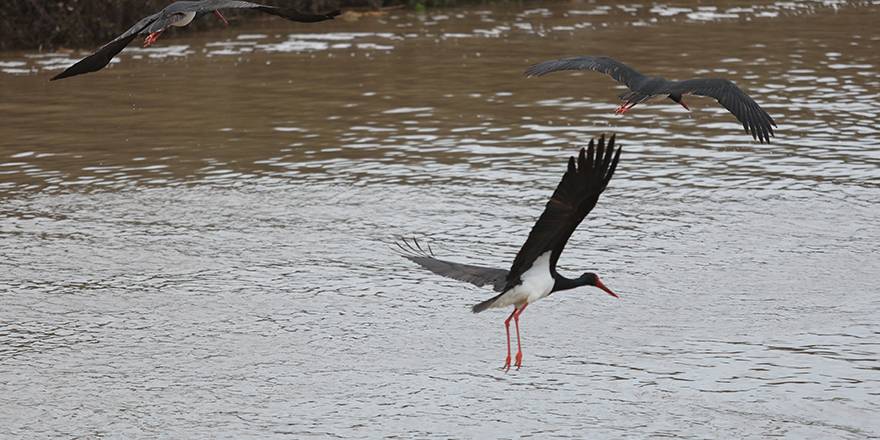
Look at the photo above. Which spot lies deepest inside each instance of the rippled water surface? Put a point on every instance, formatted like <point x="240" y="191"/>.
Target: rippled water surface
<point x="196" y="239"/>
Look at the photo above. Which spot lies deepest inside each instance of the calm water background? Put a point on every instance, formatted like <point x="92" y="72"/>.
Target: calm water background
<point x="195" y="240"/>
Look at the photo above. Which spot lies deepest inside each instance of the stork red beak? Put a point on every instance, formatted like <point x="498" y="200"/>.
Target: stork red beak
<point x="684" y="105"/>
<point x="602" y="286"/>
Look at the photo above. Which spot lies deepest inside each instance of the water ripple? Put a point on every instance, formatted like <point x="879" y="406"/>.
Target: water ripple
<point x="197" y="239"/>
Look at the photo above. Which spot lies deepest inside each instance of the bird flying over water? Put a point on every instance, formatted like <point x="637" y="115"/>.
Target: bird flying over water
<point x="178" y="14"/>
<point x="754" y="119"/>
<point x="533" y="274"/>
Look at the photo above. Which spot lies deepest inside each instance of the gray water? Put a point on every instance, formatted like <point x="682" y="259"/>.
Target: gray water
<point x="196" y="240"/>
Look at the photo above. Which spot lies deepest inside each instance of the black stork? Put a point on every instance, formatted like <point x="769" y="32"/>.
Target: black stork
<point x="533" y="274"/>
<point x="178" y="14"/>
<point x="754" y="119"/>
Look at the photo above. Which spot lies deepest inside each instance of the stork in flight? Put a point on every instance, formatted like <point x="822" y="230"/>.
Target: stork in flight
<point x="754" y="119"/>
<point x="177" y="14"/>
<point x="533" y="274"/>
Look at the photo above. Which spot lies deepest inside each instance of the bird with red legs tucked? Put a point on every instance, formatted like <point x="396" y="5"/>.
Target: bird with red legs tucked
<point x="533" y="274"/>
<point x="178" y="14"/>
<point x="642" y="88"/>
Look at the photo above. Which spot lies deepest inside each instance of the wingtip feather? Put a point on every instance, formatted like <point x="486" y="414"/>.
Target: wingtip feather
<point x="591" y="153"/>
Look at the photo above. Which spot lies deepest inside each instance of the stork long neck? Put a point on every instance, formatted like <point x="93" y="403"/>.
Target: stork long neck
<point x="563" y="283"/>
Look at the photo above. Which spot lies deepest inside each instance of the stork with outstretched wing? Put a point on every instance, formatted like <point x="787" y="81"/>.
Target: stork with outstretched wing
<point x="177" y="14"/>
<point x="533" y="274"/>
<point x="754" y="119"/>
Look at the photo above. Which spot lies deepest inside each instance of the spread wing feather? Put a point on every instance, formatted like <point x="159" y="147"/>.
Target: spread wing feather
<point x="754" y="119"/>
<point x="476" y="275"/>
<point x="102" y="56"/>
<point x="609" y="66"/>
<point x="288" y="13"/>
<point x="574" y="197"/>
<point x="164" y="18"/>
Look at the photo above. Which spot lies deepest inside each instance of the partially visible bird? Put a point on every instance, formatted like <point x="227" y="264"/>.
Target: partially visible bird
<point x="754" y="119"/>
<point x="178" y="14"/>
<point x="533" y="274"/>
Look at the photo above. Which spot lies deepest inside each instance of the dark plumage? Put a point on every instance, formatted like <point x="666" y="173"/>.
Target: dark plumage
<point x="179" y="13"/>
<point x="476" y="275"/>
<point x="533" y="274"/>
<point x="755" y="120"/>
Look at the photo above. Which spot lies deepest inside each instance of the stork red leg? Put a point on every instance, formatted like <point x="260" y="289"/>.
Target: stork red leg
<point x="624" y="107"/>
<point x="507" y="328"/>
<point x="518" y="345"/>
<point x="151" y="38"/>
<point x="220" y="16"/>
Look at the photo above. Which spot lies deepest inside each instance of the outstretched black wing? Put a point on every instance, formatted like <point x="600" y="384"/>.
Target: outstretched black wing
<point x="288" y="13"/>
<point x="295" y="15"/>
<point x="476" y="275"/>
<point x="609" y="66"/>
<point x="162" y="19"/>
<point x="754" y="119"/>
<point x="102" y="56"/>
<point x="574" y="198"/>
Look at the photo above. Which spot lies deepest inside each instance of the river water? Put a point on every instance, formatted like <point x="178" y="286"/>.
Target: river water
<point x="195" y="240"/>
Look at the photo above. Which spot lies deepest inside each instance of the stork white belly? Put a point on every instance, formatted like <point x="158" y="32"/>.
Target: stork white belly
<point x="185" y="19"/>
<point x="537" y="282"/>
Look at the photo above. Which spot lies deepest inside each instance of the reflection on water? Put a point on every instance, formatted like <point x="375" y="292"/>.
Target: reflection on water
<point x="196" y="238"/>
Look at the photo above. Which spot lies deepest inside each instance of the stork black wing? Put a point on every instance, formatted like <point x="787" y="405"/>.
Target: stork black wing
<point x="754" y="119"/>
<point x="609" y="66"/>
<point x="295" y="15"/>
<point x="476" y="275"/>
<point x="162" y="19"/>
<point x="288" y="13"/>
<point x="574" y="198"/>
<point x="102" y="56"/>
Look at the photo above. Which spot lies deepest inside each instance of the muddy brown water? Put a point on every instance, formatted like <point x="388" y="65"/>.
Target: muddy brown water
<point x="195" y="240"/>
